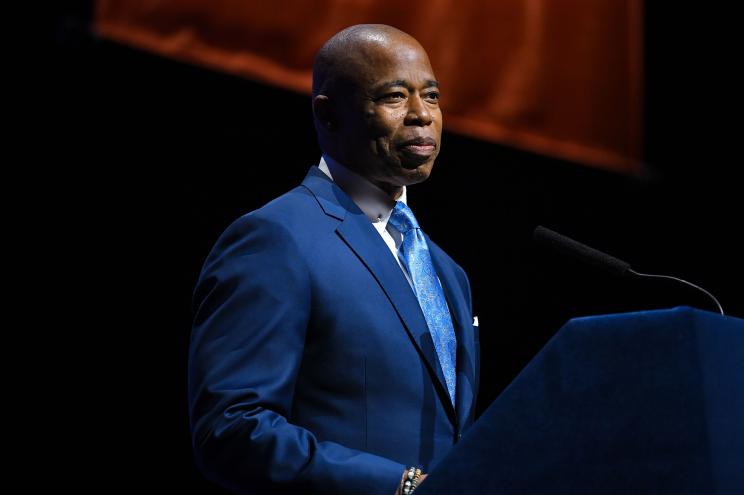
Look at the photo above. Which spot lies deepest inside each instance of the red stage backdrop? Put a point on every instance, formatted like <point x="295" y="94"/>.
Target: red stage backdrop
<point x="557" y="77"/>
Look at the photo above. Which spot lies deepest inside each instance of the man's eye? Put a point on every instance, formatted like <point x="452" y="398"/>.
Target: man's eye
<point x="433" y="96"/>
<point x="397" y="96"/>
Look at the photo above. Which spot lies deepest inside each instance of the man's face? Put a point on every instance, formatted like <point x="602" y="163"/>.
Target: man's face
<point x="392" y="127"/>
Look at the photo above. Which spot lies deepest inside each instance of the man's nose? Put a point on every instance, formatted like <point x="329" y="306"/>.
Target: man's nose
<point x="418" y="112"/>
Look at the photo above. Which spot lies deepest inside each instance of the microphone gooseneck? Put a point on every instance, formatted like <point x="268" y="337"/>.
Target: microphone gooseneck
<point x="581" y="252"/>
<point x="682" y="281"/>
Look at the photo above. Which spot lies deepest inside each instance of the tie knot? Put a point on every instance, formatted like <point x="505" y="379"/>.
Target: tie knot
<point x="402" y="218"/>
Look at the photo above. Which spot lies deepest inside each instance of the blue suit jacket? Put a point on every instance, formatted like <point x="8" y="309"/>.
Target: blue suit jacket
<point x="311" y="367"/>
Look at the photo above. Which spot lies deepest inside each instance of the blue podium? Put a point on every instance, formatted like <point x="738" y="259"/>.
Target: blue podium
<point x="636" y="403"/>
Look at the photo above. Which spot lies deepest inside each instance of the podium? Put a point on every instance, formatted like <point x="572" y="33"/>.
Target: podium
<point x="635" y="403"/>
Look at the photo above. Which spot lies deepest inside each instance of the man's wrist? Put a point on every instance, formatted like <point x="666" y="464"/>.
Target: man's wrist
<point x="410" y="480"/>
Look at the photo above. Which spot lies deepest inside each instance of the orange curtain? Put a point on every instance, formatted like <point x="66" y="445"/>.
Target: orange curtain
<point x="557" y="77"/>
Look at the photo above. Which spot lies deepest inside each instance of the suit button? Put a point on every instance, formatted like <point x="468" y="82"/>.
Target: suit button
<point x="459" y="436"/>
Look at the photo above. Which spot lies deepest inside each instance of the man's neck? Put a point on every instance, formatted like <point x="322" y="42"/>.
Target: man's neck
<point x="375" y="201"/>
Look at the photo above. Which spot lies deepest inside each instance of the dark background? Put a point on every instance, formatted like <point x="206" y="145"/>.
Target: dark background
<point x="166" y="155"/>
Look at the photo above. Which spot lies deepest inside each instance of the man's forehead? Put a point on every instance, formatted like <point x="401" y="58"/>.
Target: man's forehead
<point x="390" y="62"/>
<point x="367" y="56"/>
<point x="392" y="48"/>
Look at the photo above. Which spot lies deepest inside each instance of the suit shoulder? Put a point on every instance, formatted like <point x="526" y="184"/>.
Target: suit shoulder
<point x="280" y="214"/>
<point x="290" y="207"/>
<point x="272" y="223"/>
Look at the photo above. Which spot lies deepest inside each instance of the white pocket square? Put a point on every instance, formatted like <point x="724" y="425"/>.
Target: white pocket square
<point x="475" y="321"/>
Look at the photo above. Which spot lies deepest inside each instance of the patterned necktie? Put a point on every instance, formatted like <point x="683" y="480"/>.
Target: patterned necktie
<point x="417" y="259"/>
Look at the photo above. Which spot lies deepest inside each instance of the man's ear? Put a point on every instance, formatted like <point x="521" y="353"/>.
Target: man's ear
<point x="323" y="111"/>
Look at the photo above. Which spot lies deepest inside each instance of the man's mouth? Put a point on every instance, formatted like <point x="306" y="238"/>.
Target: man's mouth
<point x="422" y="147"/>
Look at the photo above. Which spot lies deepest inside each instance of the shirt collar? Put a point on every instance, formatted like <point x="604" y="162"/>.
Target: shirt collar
<point x="372" y="200"/>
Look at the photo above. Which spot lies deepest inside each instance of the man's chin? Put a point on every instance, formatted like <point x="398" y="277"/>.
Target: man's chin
<point x="412" y="161"/>
<point x="415" y="173"/>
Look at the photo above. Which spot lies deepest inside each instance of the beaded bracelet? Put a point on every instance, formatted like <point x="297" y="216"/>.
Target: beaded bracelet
<point x="410" y="480"/>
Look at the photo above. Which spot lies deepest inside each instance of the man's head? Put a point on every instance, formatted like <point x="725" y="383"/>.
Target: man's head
<point x="376" y="105"/>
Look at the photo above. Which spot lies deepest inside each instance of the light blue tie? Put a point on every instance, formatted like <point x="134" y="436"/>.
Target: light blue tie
<point x="415" y="254"/>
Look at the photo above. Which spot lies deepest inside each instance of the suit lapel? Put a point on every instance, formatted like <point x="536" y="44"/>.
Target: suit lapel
<point x="461" y="319"/>
<point x="359" y="234"/>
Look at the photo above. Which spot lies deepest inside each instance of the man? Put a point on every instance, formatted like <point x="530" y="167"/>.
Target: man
<point x="333" y="349"/>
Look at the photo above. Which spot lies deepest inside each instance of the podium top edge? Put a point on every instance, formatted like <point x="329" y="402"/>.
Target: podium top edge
<point x="677" y="311"/>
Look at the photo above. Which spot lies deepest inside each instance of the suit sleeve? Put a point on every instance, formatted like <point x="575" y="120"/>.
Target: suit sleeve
<point x="251" y="312"/>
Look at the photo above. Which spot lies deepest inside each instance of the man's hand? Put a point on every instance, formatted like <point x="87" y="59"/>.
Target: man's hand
<point x="421" y="480"/>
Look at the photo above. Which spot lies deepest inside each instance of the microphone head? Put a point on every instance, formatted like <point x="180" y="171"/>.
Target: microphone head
<point x="569" y="247"/>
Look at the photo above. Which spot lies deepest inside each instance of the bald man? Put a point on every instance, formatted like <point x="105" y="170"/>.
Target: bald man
<point x="334" y="348"/>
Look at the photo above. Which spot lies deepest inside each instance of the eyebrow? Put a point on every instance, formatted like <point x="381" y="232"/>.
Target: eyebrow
<point x="400" y="82"/>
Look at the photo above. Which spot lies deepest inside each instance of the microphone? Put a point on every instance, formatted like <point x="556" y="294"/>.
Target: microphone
<point x="603" y="261"/>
